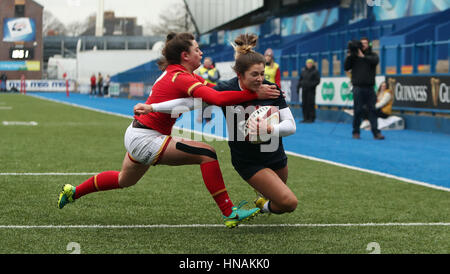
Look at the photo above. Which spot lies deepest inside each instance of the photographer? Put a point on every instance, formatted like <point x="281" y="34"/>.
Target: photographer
<point x="363" y="62"/>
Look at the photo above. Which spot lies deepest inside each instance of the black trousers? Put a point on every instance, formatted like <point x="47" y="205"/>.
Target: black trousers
<point x="309" y="104"/>
<point x="100" y="86"/>
<point x="364" y="100"/>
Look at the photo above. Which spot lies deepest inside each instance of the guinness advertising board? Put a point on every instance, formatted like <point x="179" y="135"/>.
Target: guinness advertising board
<point x="431" y="92"/>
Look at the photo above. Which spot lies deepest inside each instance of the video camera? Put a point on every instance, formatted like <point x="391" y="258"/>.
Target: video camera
<point x="353" y="47"/>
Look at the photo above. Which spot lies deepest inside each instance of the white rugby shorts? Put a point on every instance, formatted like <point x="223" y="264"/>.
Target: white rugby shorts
<point x="145" y="146"/>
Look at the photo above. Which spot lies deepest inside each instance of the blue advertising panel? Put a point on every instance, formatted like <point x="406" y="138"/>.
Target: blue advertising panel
<point x="21" y="29"/>
<point x="394" y="9"/>
<point x="309" y="22"/>
<point x="20" y="65"/>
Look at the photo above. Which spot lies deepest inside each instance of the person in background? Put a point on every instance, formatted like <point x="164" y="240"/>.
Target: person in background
<point x="385" y="99"/>
<point x="93" y="84"/>
<point x="3" y="79"/>
<point x="208" y="71"/>
<point x="211" y="75"/>
<point x="106" y="85"/>
<point x="100" y="84"/>
<point x="309" y="79"/>
<point x="383" y="107"/>
<point x="272" y="70"/>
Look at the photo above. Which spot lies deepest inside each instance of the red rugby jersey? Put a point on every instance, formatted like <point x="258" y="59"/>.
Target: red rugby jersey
<point x="176" y="82"/>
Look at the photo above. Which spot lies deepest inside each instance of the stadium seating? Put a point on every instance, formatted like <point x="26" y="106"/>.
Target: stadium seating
<point x="408" y="45"/>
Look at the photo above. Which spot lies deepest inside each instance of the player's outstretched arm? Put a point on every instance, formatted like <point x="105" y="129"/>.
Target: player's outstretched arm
<point x="226" y="98"/>
<point x="141" y="108"/>
<point x="181" y="104"/>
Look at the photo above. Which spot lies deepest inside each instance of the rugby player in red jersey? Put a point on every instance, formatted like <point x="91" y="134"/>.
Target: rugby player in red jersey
<point x="148" y="141"/>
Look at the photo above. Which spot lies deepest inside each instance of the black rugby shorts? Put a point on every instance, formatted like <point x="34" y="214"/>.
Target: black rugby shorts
<point x="247" y="171"/>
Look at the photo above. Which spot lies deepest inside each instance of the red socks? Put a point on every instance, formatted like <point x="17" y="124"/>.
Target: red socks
<point x="103" y="181"/>
<point x="212" y="176"/>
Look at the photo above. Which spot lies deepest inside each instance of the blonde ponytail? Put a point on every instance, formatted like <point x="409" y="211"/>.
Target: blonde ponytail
<point x="244" y="43"/>
<point x="244" y="54"/>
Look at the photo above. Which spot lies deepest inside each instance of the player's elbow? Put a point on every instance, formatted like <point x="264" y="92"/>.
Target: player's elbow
<point x="293" y="128"/>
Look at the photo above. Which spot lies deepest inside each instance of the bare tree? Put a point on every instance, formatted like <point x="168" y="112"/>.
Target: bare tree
<point x="176" y="18"/>
<point x="52" y="25"/>
<point x="76" y="28"/>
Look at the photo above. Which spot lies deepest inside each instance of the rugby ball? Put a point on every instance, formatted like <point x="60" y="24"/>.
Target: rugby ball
<point x="270" y="114"/>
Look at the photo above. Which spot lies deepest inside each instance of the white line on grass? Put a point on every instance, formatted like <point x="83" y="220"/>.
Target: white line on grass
<point x="213" y="226"/>
<point x="287" y="152"/>
<point x="19" y="123"/>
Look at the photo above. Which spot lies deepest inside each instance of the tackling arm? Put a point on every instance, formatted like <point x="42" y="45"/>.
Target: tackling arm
<point x="185" y="104"/>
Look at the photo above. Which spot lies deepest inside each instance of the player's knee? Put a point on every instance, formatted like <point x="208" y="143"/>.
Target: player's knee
<point x="203" y="152"/>
<point x="289" y="203"/>
<point x="125" y="181"/>
<point x="211" y="155"/>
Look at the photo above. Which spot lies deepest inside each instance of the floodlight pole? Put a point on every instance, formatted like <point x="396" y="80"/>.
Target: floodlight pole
<point x="99" y="18"/>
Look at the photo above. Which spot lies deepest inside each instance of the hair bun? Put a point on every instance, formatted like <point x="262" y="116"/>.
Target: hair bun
<point x="170" y="36"/>
<point x="245" y="43"/>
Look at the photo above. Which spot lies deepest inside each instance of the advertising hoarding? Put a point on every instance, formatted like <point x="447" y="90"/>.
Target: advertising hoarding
<point x="21" y="29"/>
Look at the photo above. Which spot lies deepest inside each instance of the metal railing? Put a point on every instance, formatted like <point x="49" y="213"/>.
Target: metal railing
<point x="414" y="58"/>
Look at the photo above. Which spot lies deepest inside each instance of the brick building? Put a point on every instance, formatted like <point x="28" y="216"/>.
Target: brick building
<point x="21" y="45"/>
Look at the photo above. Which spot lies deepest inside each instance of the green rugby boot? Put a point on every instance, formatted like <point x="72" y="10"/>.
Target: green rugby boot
<point x="239" y="215"/>
<point x="66" y="196"/>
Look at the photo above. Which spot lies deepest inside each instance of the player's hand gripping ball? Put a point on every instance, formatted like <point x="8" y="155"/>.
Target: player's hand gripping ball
<point x="258" y="125"/>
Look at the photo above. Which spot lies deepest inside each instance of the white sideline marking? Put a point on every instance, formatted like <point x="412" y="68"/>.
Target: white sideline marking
<point x="406" y="180"/>
<point x="48" y="174"/>
<point x="19" y="123"/>
<point x="5" y="108"/>
<point x="214" y="225"/>
<point x="370" y="171"/>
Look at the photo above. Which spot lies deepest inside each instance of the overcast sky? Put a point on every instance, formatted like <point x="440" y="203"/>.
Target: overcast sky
<point x="68" y="11"/>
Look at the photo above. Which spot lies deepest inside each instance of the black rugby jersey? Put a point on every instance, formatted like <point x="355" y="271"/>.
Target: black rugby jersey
<point x="243" y="152"/>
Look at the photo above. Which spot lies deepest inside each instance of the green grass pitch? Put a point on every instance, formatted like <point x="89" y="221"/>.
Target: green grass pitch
<point x="68" y="139"/>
